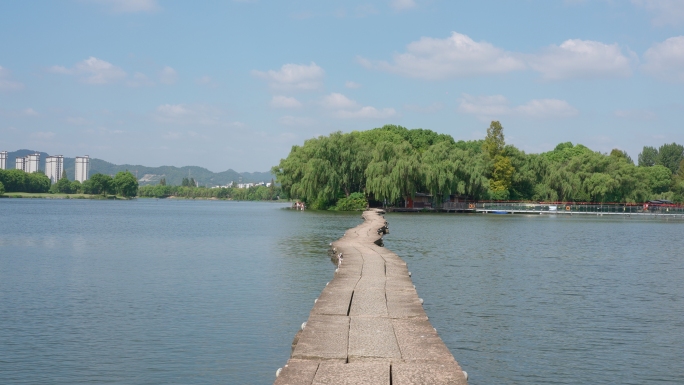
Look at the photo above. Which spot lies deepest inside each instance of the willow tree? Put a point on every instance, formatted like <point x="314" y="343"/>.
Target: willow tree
<point x="393" y="172"/>
<point x="447" y="169"/>
<point x="351" y="156"/>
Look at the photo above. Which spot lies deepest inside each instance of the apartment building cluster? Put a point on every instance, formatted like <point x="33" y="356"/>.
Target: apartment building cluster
<point x="54" y="165"/>
<point x="244" y="185"/>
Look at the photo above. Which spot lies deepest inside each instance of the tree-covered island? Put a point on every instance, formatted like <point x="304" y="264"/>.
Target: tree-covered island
<point x="391" y="164"/>
<point x="123" y="184"/>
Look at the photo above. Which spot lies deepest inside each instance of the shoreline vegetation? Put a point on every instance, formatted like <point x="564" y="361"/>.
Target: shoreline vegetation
<point x="391" y="165"/>
<point x="124" y="185"/>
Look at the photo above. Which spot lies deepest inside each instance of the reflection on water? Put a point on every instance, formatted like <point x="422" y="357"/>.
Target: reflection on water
<point x="538" y="300"/>
<point x="195" y="292"/>
<point x="156" y="291"/>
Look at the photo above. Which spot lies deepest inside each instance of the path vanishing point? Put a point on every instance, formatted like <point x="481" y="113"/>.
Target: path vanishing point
<point x="368" y="326"/>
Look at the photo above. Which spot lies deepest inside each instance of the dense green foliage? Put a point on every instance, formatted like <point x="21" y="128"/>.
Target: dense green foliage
<point x="354" y="202"/>
<point x="390" y="164"/>
<point x="125" y="184"/>
<point x="254" y="193"/>
<point x="20" y="181"/>
<point x="2" y="188"/>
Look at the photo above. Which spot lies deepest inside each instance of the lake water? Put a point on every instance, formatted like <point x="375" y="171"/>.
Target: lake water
<point x="212" y="292"/>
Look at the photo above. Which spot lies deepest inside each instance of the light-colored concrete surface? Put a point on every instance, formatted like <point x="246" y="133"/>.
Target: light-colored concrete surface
<point x="372" y="337"/>
<point x="433" y="373"/>
<point x="418" y="340"/>
<point x="325" y="337"/>
<point x="368" y="326"/>
<point x="357" y="373"/>
<point x="369" y="302"/>
<point x="297" y="372"/>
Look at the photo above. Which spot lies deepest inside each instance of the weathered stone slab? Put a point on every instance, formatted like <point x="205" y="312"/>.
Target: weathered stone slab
<point x="325" y="337"/>
<point x="333" y="302"/>
<point x="442" y="373"/>
<point x="353" y="373"/>
<point x="404" y="304"/>
<point x="371" y="282"/>
<point x="418" y="340"/>
<point x="396" y="270"/>
<point x="349" y="270"/>
<point x="297" y="372"/>
<point x="399" y="284"/>
<point x="370" y="302"/>
<point x="372" y="337"/>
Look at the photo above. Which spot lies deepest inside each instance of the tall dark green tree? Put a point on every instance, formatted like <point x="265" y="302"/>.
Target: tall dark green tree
<point x="125" y="184"/>
<point x="670" y="155"/>
<point x="501" y="166"/>
<point x="100" y="184"/>
<point x="648" y="156"/>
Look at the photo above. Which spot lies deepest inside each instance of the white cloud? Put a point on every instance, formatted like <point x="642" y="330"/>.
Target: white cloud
<point x="183" y="114"/>
<point x="6" y="83"/>
<point x="338" y="101"/>
<point x="400" y="5"/>
<point x="495" y="106"/>
<point x="280" y="101"/>
<point x="139" y="79"/>
<point x="350" y="84"/>
<point x="294" y="76"/>
<point x="172" y="135"/>
<point x="346" y="108"/>
<point x="455" y="56"/>
<point x="636" y="114"/>
<point x="104" y="131"/>
<point x="129" y="6"/>
<point x="43" y="135"/>
<point x="29" y="112"/>
<point x="666" y="60"/>
<point x="206" y="81"/>
<point x="78" y="121"/>
<point x="93" y="71"/>
<point x="168" y="75"/>
<point x="296" y="121"/>
<point x="484" y="106"/>
<point x="424" y="109"/>
<point x="546" y="108"/>
<point x="366" y="113"/>
<point x="581" y="59"/>
<point x="665" y="11"/>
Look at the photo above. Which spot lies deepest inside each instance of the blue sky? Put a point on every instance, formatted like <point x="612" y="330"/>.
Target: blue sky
<point x="234" y="84"/>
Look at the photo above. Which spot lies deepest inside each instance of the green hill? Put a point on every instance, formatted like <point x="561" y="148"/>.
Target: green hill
<point x="152" y="175"/>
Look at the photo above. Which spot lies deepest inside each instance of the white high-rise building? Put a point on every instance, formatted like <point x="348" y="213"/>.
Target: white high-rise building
<point x="54" y="166"/>
<point x="20" y="163"/>
<point x="32" y="163"/>
<point x="82" y="168"/>
<point x="3" y="160"/>
<point x="29" y="163"/>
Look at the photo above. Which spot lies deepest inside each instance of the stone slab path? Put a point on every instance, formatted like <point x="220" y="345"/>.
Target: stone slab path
<point x="368" y="326"/>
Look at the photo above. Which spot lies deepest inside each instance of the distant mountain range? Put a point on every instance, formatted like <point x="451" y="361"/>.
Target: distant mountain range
<point x="152" y="175"/>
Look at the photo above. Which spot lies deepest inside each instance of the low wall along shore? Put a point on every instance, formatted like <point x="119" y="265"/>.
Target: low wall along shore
<point x="368" y="326"/>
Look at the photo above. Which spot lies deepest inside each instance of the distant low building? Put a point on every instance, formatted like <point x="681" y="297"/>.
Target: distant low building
<point x="3" y="160"/>
<point x="54" y="167"/>
<point x="82" y="168"/>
